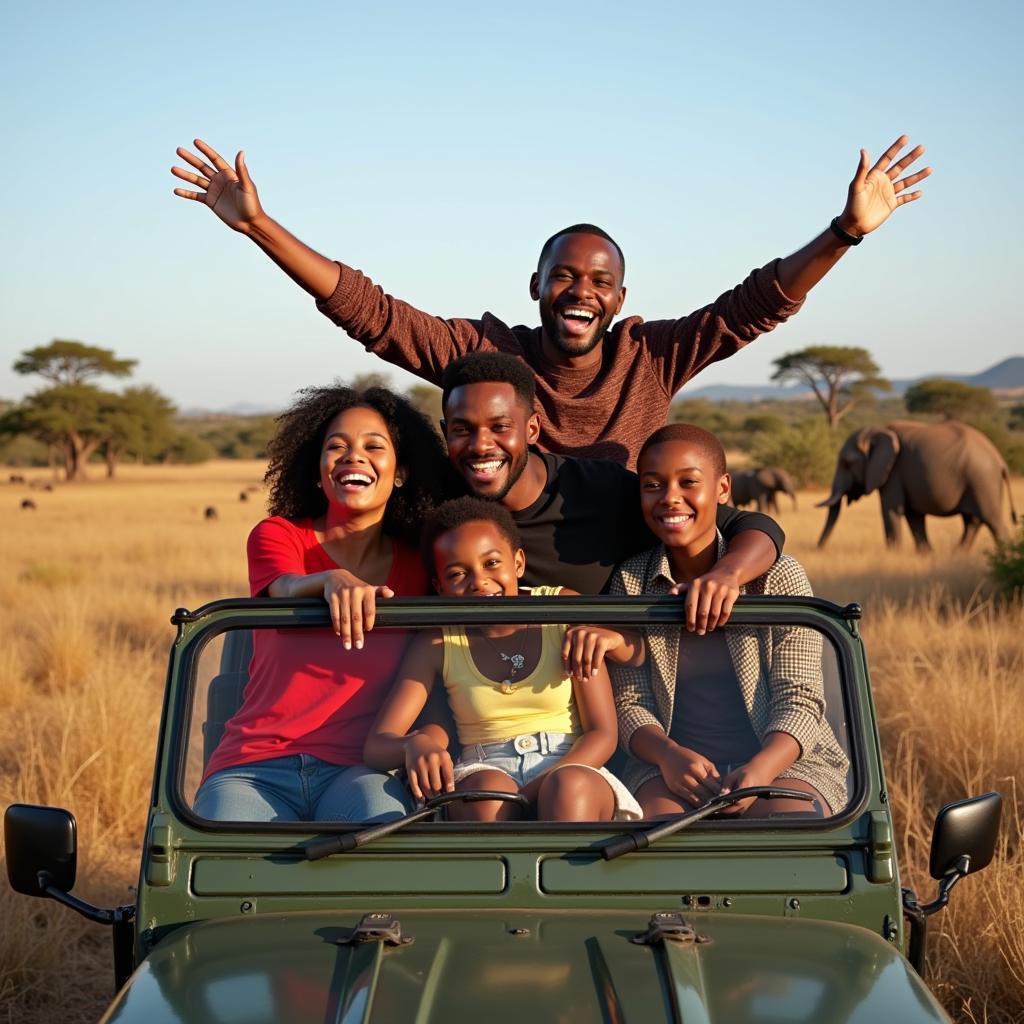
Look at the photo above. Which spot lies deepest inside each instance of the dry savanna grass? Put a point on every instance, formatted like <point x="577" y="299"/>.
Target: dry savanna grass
<point x="93" y="573"/>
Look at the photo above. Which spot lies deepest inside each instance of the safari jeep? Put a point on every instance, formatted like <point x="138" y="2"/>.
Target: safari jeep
<point x="698" y="918"/>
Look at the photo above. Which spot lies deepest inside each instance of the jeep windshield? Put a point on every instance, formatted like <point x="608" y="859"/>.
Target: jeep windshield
<point x="799" y="645"/>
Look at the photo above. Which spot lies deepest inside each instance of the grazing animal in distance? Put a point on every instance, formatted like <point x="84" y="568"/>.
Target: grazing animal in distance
<point x="242" y="496"/>
<point x="28" y="503"/>
<point x="16" y="478"/>
<point x="759" y="486"/>
<point x="923" y="469"/>
<point x="210" y="512"/>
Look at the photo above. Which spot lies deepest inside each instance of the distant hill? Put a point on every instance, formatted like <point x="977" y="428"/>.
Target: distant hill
<point x="1004" y="376"/>
<point x="238" y="409"/>
<point x="1007" y="375"/>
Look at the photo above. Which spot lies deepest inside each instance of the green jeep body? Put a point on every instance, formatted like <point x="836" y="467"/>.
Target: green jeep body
<point x="801" y="920"/>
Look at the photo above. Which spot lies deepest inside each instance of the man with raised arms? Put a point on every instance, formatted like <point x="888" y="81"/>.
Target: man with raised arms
<point x="602" y="387"/>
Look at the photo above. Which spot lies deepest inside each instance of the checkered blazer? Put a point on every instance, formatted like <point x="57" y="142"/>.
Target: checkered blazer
<point x="778" y="669"/>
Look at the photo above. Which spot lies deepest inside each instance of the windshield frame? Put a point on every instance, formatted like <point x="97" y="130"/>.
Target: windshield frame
<point x="196" y="629"/>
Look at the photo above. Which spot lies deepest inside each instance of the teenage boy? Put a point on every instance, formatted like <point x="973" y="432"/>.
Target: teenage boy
<point x="601" y="388"/>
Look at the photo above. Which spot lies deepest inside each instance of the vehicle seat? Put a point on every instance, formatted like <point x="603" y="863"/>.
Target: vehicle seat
<point x="224" y="696"/>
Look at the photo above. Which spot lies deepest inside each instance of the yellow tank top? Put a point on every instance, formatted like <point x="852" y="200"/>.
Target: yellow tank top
<point x="540" y="701"/>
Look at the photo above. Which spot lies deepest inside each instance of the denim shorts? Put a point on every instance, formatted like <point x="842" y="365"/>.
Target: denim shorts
<point x="522" y="757"/>
<point x="525" y="757"/>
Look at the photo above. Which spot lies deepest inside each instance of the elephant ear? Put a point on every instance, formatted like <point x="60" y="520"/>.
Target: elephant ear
<point x="885" y="446"/>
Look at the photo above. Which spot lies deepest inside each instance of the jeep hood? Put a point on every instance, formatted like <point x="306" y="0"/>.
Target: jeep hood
<point x="488" y="967"/>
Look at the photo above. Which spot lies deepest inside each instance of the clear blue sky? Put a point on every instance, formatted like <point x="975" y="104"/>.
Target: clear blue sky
<point x="436" y="145"/>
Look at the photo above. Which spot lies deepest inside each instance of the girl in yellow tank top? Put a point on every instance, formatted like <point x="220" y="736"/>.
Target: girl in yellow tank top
<point x="525" y="723"/>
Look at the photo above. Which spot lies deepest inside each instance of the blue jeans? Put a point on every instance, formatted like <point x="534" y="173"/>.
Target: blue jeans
<point x="301" y="787"/>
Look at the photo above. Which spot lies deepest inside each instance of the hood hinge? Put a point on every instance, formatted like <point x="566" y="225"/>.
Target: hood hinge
<point x="668" y="925"/>
<point x="376" y="927"/>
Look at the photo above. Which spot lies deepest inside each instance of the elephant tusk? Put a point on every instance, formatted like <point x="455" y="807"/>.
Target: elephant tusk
<point x="832" y="499"/>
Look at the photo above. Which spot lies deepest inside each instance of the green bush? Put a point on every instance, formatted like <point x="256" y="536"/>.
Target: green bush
<point x="711" y="416"/>
<point x="1010" y="445"/>
<point x="188" y="450"/>
<point x="1013" y="452"/>
<point x="1006" y="566"/>
<point x="808" y="452"/>
<point x="23" y="451"/>
<point x="239" y="437"/>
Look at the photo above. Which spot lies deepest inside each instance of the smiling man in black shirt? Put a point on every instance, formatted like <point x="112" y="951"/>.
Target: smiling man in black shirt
<point x="578" y="518"/>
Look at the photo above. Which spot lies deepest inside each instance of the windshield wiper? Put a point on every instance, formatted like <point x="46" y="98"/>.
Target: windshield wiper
<point x="643" y="838"/>
<point x="320" y="848"/>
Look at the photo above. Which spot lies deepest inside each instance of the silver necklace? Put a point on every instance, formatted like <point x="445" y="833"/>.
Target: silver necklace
<point x="515" y="662"/>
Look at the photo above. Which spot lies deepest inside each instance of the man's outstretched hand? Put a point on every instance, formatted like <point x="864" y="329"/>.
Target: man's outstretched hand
<point x="876" y="191"/>
<point x="227" y="190"/>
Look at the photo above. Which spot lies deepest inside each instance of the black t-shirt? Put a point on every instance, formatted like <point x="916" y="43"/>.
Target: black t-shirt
<point x="587" y="520"/>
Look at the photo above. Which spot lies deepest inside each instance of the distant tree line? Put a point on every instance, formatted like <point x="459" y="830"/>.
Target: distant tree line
<point x="71" y="420"/>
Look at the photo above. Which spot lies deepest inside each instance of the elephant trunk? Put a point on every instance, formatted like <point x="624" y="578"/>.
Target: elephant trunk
<point x="841" y="484"/>
<point x="833" y="515"/>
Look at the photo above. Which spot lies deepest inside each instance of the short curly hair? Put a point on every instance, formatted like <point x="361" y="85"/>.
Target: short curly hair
<point x="294" y="452"/>
<point x="490" y="368"/>
<point x="703" y="440"/>
<point x="459" y="511"/>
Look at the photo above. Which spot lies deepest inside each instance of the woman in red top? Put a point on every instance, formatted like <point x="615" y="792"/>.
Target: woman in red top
<point x="352" y="475"/>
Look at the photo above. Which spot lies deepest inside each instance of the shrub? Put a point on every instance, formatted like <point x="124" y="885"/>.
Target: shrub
<point x="808" y="452"/>
<point x="1009" y="445"/>
<point x="699" y="411"/>
<point x="188" y="449"/>
<point x="954" y="399"/>
<point x="1006" y="566"/>
<point x="1013" y="452"/>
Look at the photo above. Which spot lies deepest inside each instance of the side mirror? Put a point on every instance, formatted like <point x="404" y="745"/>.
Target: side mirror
<point x="965" y="833"/>
<point x="963" y="840"/>
<point x="40" y="841"/>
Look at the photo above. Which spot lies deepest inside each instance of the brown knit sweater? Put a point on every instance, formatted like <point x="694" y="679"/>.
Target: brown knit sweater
<point x="605" y="410"/>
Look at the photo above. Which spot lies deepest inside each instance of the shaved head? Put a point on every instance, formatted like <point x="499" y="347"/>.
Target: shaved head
<point x="703" y="440"/>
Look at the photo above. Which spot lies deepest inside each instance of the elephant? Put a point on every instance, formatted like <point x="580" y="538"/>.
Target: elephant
<point x="761" y="486"/>
<point x="919" y="469"/>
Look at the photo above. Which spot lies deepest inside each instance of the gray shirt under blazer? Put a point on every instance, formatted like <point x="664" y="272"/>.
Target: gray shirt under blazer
<point x="778" y="668"/>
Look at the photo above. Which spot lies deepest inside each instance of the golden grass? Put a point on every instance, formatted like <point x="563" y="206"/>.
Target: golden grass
<point x="94" y="572"/>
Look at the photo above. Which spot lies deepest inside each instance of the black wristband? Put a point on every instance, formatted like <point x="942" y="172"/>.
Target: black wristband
<point x="844" y="236"/>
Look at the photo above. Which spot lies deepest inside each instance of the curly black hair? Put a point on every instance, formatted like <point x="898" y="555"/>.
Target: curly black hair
<point x="294" y="452"/>
<point x="490" y="368"/>
<point x="459" y="511"/>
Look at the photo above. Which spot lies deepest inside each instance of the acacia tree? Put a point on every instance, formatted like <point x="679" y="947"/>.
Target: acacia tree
<point x="950" y="398"/>
<point x="68" y="417"/>
<point x="75" y="417"/>
<point x="72" y="362"/>
<point x="137" y="421"/>
<point x="840" y="376"/>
